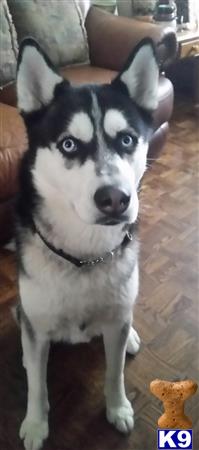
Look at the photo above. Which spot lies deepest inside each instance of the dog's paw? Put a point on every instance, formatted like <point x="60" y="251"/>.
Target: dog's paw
<point x="33" y="434"/>
<point x="133" y="344"/>
<point x="121" y="417"/>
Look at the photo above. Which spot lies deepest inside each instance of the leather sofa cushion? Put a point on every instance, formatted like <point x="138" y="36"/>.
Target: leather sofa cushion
<point x="13" y="142"/>
<point x="82" y="74"/>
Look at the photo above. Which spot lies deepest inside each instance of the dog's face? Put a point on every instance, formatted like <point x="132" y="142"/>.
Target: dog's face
<point x="89" y="143"/>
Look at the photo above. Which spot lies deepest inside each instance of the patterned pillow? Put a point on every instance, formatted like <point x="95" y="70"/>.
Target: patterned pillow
<point x="8" y="43"/>
<point x="56" y="25"/>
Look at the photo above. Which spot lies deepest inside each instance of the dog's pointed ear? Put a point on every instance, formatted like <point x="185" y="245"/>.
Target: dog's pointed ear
<point x="36" y="77"/>
<point x="140" y="75"/>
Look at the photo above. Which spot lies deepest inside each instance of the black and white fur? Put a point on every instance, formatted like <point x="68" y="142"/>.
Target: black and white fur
<point x="77" y="144"/>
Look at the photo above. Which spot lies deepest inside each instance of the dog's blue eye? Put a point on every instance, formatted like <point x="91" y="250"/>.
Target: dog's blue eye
<point x="69" y="145"/>
<point x="126" y="140"/>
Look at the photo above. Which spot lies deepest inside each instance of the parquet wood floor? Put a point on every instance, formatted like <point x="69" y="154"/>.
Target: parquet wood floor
<point x="166" y="317"/>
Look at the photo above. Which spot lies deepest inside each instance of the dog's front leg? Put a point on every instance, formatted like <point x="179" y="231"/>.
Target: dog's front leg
<point x="34" y="428"/>
<point x="118" y="408"/>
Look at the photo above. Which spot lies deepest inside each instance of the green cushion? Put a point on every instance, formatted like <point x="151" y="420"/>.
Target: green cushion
<point x="8" y="45"/>
<point x="143" y="7"/>
<point x="56" y="25"/>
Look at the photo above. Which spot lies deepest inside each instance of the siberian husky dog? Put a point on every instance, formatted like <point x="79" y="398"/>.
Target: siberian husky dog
<point x="76" y="215"/>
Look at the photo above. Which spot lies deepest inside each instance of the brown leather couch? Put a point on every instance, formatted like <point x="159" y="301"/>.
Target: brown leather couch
<point x="110" y="39"/>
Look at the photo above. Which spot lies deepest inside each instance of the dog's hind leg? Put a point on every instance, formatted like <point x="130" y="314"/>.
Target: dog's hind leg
<point x="34" y="428"/>
<point x="133" y="344"/>
<point x="118" y="408"/>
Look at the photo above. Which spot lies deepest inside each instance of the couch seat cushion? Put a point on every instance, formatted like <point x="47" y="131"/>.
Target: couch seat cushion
<point x="83" y="74"/>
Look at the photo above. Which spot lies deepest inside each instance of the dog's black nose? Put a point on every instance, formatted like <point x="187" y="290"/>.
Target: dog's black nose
<point x="111" y="201"/>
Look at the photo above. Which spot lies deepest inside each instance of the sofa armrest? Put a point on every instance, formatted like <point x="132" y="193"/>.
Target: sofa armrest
<point x="111" y="38"/>
<point x="13" y="144"/>
<point x="8" y="94"/>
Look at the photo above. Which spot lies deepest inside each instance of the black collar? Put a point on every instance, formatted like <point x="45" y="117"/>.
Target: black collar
<point x="92" y="261"/>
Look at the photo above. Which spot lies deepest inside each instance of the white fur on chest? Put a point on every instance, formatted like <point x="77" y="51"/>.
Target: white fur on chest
<point x="59" y="299"/>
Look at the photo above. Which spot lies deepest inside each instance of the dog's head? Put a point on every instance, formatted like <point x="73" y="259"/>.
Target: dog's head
<point x="89" y="143"/>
